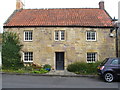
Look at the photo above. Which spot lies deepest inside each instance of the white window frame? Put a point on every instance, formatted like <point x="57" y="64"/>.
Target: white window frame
<point x="55" y="35"/>
<point x="28" y="57"/>
<point x="28" y="35"/>
<point x="91" y="53"/>
<point x="91" y="35"/>
<point x="59" y="35"/>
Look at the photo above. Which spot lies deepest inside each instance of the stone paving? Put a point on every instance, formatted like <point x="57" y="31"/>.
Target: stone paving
<point x="60" y="72"/>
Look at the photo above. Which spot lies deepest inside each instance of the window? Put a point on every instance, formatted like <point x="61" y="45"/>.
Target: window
<point x="28" y="36"/>
<point x="91" y="36"/>
<point x="28" y="57"/>
<point x="56" y="35"/>
<point x="91" y="57"/>
<point x="60" y="35"/>
<point x="114" y="62"/>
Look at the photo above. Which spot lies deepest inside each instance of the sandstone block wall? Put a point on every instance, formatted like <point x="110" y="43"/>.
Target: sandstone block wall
<point x="75" y="45"/>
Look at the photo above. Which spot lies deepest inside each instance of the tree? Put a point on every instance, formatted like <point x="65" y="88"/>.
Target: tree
<point x="11" y="57"/>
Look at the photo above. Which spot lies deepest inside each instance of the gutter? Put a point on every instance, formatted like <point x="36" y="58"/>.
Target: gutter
<point x="58" y="26"/>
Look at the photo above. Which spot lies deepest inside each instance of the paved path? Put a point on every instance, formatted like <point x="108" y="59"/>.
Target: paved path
<point x="60" y="72"/>
<point x="27" y="81"/>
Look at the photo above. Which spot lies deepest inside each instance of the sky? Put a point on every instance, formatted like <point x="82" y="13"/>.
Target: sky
<point x="8" y="6"/>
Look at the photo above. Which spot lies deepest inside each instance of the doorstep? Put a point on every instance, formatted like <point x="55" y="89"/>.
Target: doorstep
<point x="60" y="72"/>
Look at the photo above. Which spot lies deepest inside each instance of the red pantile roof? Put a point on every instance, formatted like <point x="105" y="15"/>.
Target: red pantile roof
<point x="60" y="17"/>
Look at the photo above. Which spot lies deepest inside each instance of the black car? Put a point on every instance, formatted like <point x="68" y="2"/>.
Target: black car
<point x="109" y="69"/>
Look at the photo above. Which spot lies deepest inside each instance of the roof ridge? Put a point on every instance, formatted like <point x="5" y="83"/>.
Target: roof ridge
<point x="56" y="8"/>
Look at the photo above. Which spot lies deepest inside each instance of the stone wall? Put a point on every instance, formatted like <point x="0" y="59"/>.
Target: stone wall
<point x="75" y="45"/>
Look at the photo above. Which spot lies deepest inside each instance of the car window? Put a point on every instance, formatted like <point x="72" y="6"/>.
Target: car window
<point x="119" y="60"/>
<point x="114" y="62"/>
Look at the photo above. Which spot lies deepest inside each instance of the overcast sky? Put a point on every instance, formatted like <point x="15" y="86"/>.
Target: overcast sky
<point x="8" y="6"/>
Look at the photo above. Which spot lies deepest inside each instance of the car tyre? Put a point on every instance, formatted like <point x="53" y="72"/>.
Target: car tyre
<point x="108" y="77"/>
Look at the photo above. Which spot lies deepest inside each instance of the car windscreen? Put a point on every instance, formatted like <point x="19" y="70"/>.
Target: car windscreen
<point x="104" y="61"/>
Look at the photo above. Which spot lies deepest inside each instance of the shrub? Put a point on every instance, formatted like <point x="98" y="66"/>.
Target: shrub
<point x="40" y="72"/>
<point x="46" y="66"/>
<point x="83" y="68"/>
<point x="11" y="57"/>
<point x="28" y="68"/>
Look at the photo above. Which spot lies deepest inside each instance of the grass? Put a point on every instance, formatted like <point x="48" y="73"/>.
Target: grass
<point x="26" y="70"/>
<point x="32" y="68"/>
<point x="15" y="71"/>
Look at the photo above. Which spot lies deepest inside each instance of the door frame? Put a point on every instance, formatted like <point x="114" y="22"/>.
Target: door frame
<point x="55" y="59"/>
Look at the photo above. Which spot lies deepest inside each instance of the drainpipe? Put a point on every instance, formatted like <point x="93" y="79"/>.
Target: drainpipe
<point x="116" y="30"/>
<point x="116" y="25"/>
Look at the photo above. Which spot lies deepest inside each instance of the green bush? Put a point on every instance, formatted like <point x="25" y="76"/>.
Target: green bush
<point x="83" y="68"/>
<point x="40" y="72"/>
<point x="11" y="57"/>
<point x="28" y="68"/>
<point x="46" y="66"/>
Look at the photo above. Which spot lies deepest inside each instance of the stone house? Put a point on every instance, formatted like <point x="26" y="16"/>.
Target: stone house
<point x="62" y="36"/>
<point x="118" y="39"/>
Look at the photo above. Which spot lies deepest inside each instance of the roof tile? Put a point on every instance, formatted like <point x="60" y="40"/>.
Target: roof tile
<point x="60" y="17"/>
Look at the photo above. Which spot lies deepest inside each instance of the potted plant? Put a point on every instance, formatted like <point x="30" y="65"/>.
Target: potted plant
<point x="47" y="67"/>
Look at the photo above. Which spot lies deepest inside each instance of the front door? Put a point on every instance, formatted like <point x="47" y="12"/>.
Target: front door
<point x="59" y="60"/>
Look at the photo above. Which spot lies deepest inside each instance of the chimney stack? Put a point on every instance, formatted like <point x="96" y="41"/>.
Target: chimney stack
<point x="19" y="4"/>
<point x="101" y="5"/>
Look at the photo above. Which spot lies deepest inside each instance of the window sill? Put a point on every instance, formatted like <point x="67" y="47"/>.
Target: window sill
<point x="27" y="61"/>
<point x="28" y="40"/>
<point x="91" y="61"/>
<point x="91" y="40"/>
<point x="59" y="40"/>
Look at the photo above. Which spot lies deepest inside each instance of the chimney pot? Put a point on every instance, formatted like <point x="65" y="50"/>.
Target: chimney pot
<point x="101" y="5"/>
